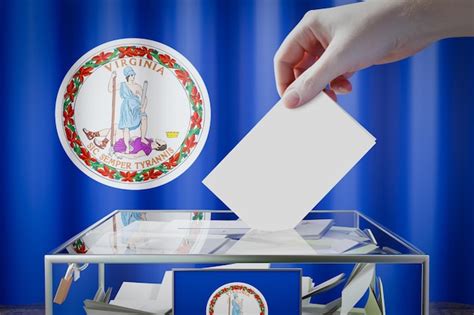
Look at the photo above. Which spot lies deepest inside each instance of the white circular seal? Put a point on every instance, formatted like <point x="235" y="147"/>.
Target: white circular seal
<point x="237" y="298"/>
<point x="133" y="113"/>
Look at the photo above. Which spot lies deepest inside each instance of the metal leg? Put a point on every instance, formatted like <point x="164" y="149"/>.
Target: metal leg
<point x="425" y="286"/>
<point x="101" y="272"/>
<point x="48" y="286"/>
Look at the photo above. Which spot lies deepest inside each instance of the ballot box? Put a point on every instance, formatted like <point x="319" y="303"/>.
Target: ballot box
<point x="347" y="264"/>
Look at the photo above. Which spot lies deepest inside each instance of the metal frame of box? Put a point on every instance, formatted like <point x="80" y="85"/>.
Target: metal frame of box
<point x="55" y="257"/>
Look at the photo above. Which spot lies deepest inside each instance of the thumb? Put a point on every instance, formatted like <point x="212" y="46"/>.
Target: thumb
<point x="315" y="78"/>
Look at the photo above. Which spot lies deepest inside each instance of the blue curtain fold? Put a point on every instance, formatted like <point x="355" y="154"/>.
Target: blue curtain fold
<point x="418" y="180"/>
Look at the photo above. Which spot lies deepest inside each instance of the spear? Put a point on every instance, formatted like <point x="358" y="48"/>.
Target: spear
<point x="143" y="129"/>
<point x="145" y="88"/>
<point x="112" y="127"/>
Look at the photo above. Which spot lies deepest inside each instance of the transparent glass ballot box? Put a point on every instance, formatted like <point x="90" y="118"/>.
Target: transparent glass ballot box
<point x="324" y="243"/>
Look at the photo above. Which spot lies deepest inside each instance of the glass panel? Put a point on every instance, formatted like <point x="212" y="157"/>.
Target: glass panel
<point x="201" y="232"/>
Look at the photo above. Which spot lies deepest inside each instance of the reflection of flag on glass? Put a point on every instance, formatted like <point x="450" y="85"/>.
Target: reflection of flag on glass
<point x="129" y="217"/>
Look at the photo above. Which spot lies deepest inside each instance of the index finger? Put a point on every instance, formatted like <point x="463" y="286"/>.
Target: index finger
<point x="300" y="40"/>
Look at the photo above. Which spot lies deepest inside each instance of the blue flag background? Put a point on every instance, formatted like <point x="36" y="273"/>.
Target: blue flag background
<point x="418" y="180"/>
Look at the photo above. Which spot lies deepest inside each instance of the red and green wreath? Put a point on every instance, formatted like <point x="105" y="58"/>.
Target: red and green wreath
<point x="233" y="288"/>
<point x="166" y="61"/>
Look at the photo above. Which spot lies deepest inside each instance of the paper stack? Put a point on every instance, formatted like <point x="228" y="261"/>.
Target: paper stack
<point x="313" y="237"/>
<point x="133" y="298"/>
<point x="145" y="298"/>
<point x="361" y="279"/>
<point x="149" y="298"/>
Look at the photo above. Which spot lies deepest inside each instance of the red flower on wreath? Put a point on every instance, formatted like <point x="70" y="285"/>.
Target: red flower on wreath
<point x="172" y="162"/>
<point x="106" y="172"/>
<point x="86" y="157"/>
<point x="196" y="120"/>
<point x="101" y="57"/>
<point x="83" y="72"/>
<point x="151" y="174"/>
<point x="79" y="246"/>
<point x="195" y="96"/>
<point x="128" y="176"/>
<point x="139" y="51"/>
<point x="167" y="60"/>
<point x="72" y="137"/>
<point x="68" y="115"/>
<point x="143" y="51"/>
<point x="70" y="91"/>
<point x="189" y="144"/>
<point x="126" y="52"/>
<point x="183" y="76"/>
<point x="81" y="249"/>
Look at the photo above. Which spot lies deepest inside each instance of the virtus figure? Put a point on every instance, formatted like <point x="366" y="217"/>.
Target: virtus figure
<point x="237" y="305"/>
<point x="133" y="107"/>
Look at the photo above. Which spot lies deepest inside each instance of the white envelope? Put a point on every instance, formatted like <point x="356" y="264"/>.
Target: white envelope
<point x="288" y="162"/>
<point x="356" y="286"/>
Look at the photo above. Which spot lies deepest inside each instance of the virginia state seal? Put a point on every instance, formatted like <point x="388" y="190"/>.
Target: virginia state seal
<point x="133" y="114"/>
<point x="237" y="298"/>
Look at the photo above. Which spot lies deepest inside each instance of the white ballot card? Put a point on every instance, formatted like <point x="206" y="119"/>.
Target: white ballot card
<point x="256" y="242"/>
<point x="288" y="162"/>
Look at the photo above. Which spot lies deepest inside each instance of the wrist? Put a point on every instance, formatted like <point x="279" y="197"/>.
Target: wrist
<point x="440" y="19"/>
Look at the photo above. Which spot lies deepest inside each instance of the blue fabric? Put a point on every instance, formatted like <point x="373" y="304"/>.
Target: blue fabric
<point x="235" y="307"/>
<point x="130" y="109"/>
<point x="418" y="180"/>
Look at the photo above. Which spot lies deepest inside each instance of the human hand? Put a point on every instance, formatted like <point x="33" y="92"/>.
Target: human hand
<point x="328" y="45"/>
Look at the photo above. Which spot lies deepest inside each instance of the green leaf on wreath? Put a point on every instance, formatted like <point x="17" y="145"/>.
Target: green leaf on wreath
<point x="189" y="88"/>
<point x="182" y="156"/>
<point x="138" y="178"/>
<point x="89" y="64"/>
<point x="162" y="168"/>
<point x="77" y="82"/>
<point x="154" y="54"/>
<point x="77" y="149"/>
<point x="198" y="109"/>
<point x="194" y="131"/>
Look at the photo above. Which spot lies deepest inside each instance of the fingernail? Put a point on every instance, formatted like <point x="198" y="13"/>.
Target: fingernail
<point x="341" y="89"/>
<point x="291" y="99"/>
